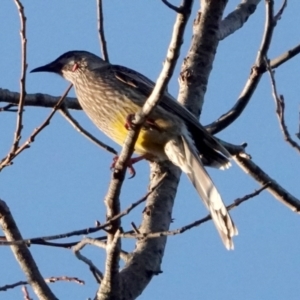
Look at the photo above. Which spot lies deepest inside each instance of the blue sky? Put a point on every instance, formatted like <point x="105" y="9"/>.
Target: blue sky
<point x="59" y="183"/>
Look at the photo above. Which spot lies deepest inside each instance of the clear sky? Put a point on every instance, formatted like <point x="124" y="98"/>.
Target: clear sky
<point x="59" y="183"/>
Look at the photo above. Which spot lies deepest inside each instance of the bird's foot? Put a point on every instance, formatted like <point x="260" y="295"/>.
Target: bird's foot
<point x="150" y="122"/>
<point x="130" y="167"/>
<point x="129" y="124"/>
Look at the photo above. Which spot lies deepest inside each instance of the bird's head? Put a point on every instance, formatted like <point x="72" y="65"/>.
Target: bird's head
<point x="71" y="64"/>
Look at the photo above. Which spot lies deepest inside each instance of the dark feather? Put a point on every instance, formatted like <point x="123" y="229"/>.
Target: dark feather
<point x="211" y="151"/>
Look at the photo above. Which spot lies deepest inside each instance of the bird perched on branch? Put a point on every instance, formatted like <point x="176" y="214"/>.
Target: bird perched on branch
<point x="110" y="94"/>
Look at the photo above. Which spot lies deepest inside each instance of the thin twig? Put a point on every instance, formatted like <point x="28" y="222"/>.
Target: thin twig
<point x="278" y="16"/>
<point x="254" y="78"/>
<point x="65" y="112"/>
<point x="8" y="108"/>
<point x="171" y="6"/>
<point x="8" y="159"/>
<point x="48" y="280"/>
<point x="280" y="107"/>
<point x="26" y="293"/>
<point x="180" y="230"/>
<point x="12" y="286"/>
<point x="42" y="240"/>
<point x="102" y="39"/>
<point x="76" y="249"/>
<point x="19" y="125"/>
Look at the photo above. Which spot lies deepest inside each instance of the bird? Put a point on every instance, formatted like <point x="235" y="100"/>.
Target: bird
<point x="109" y="94"/>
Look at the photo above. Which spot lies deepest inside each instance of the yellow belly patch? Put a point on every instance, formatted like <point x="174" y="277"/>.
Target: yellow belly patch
<point x="150" y="141"/>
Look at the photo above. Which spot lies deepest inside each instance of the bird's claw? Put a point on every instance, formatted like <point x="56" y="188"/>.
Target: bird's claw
<point x="129" y="124"/>
<point x="130" y="167"/>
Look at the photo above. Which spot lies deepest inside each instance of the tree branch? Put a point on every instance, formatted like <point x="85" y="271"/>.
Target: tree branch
<point x="274" y="188"/>
<point x="256" y="73"/>
<point x="48" y="280"/>
<point x="236" y="19"/>
<point x="112" y="198"/>
<point x="102" y="39"/>
<point x="19" y="125"/>
<point x="8" y="159"/>
<point x="194" y="224"/>
<point x="280" y="107"/>
<point x="23" y="255"/>
<point x="65" y="112"/>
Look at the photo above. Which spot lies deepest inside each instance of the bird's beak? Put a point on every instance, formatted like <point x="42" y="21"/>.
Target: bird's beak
<point x="52" y="67"/>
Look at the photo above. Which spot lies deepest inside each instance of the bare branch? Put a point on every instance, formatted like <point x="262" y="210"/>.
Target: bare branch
<point x="88" y="241"/>
<point x="65" y="112"/>
<point x="274" y="188"/>
<point x="42" y="240"/>
<point x="111" y="268"/>
<point x="37" y="100"/>
<point x="236" y="19"/>
<point x="278" y="16"/>
<point x="171" y="6"/>
<point x="102" y="39"/>
<point x="12" y="286"/>
<point x="111" y="276"/>
<point x="8" y="108"/>
<point x="8" y="159"/>
<point x="48" y="280"/>
<point x="181" y="230"/>
<point x="26" y="293"/>
<point x="23" y="255"/>
<point x="280" y="107"/>
<point x="64" y="278"/>
<point x="19" y="125"/>
<point x="253" y="80"/>
<point x="281" y="59"/>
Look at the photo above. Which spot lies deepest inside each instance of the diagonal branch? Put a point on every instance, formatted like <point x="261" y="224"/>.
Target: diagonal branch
<point x="236" y="19"/>
<point x="171" y="6"/>
<point x="8" y="159"/>
<point x="42" y="240"/>
<point x="23" y="255"/>
<point x="281" y="59"/>
<point x="76" y="249"/>
<point x="65" y="112"/>
<point x="253" y="80"/>
<point x="194" y="224"/>
<point x="263" y="178"/>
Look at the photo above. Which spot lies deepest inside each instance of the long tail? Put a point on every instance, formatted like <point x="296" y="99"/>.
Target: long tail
<point x="183" y="154"/>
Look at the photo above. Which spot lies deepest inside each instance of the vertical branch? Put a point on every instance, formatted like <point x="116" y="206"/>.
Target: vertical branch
<point x="198" y="63"/>
<point x="19" y="125"/>
<point x="280" y="108"/>
<point x="102" y="39"/>
<point x="147" y="257"/>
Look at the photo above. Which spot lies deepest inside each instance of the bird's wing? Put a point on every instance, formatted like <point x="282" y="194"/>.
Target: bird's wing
<point x="183" y="154"/>
<point x="169" y="103"/>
